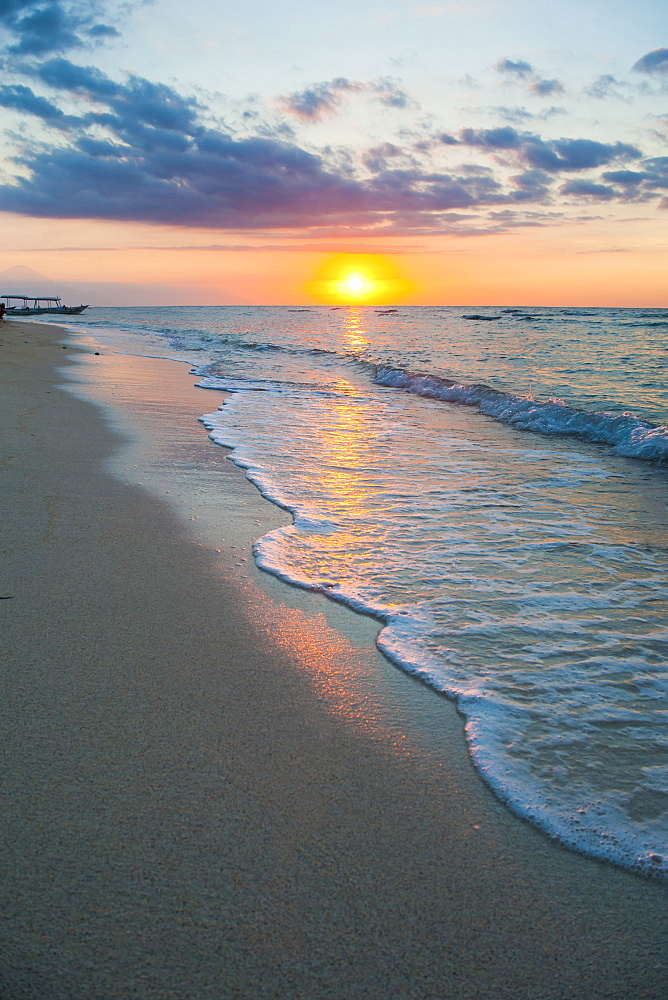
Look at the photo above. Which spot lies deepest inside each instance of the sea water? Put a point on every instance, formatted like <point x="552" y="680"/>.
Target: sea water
<point x="493" y="486"/>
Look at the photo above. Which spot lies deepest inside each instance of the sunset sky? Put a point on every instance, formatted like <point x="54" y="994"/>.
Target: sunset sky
<point x="491" y="151"/>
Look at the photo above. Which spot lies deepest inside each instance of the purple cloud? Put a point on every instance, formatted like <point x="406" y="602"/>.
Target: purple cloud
<point x="245" y="184"/>
<point x="323" y="99"/>
<point x="317" y="101"/>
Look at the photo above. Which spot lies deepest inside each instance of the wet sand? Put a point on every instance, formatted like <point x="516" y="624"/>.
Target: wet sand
<point x="213" y="785"/>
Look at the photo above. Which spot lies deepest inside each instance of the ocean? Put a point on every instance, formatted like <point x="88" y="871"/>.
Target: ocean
<point x="492" y="485"/>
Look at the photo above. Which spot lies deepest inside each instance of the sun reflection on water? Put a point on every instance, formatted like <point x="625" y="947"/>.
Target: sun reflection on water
<point x="353" y="330"/>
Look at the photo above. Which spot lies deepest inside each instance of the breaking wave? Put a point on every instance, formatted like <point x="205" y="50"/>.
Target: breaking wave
<point x="625" y="433"/>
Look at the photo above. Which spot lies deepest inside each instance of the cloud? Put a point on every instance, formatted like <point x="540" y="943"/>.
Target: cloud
<point x="515" y="115"/>
<point x="654" y="62"/>
<point x="553" y="155"/>
<point x="46" y="29"/>
<point x="520" y="68"/>
<point x="606" y="250"/>
<point x="574" y="154"/>
<point x="589" y="190"/>
<point x="526" y="75"/>
<point x="608" y="86"/>
<point x="142" y="151"/>
<point x="317" y="101"/>
<point x="391" y="94"/>
<point x="627" y="178"/>
<point x="157" y="163"/>
<point x="139" y="112"/>
<point x="532" y="185"/>
<point x="103" y="31"/>
<point x="20" y="98"/>
<point x="546" y="87"/>
<point x="243" y="184"/>
<point x="47" y="26"/>
<point x="61" y="74"/>
<point x="376" y="158"/>
<point x="504" y="137"/>
<point x="321" y="100"/>
<point x="656" y="173"/>
<point x="519" y="116"/>
<point x="150" y="158"/>
<point x="632" y="185"/>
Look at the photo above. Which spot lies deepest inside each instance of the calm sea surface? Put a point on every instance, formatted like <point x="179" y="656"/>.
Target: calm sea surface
<point x="493" y="486"/>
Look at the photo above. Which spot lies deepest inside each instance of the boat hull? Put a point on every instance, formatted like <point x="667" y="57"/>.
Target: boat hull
<point x="61" y="311"/>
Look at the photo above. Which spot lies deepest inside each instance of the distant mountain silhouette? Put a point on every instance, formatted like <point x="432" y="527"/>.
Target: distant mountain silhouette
<point x="21" y="280"/>
<point x="22" y="273"/>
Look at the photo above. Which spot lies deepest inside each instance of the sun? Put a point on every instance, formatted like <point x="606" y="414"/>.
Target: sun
<point x="358" y="279"/>
<point x="356" y="285"/>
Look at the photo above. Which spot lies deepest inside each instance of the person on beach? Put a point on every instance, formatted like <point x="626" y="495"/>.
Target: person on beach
<point x="3" y="309"/>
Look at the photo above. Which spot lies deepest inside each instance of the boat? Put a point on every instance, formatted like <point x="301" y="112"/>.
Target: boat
<point x="38" y="305"/>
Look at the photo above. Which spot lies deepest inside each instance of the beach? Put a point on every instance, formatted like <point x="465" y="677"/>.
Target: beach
<point x="214" y="785"/>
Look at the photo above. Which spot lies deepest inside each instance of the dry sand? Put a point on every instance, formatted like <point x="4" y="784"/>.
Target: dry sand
<point x="213" y="785"/>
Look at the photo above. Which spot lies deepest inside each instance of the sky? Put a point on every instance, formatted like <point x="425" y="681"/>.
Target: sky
<point x="483" y="151"/>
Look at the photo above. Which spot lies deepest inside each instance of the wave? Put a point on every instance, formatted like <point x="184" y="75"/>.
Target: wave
<point x="442" y="649"/>
<point x="626" y="433"/>
<point x="477" y="316"/>
<point x="517" y="314"/>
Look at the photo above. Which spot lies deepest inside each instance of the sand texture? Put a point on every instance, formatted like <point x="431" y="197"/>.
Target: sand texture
<point x="213" y="785"/>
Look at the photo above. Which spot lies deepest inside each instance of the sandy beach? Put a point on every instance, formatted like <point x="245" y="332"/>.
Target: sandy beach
<point x="214" y="786"/>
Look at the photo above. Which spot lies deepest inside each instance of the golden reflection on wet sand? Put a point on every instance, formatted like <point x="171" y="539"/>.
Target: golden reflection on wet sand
<point x="340" y="682"/>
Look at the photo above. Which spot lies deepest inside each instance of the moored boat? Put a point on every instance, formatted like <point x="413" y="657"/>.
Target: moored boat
<point x="31" y="305"/>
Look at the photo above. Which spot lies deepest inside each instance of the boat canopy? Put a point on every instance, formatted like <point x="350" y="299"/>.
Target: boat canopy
<point x="37" y="302"/>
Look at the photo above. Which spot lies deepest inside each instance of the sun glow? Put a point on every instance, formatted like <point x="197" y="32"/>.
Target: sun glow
<point x="356" y="284"/>
<point x="358" y="279"/>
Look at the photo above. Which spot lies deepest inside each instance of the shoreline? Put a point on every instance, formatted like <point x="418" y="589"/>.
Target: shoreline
<point x="216" y="786"/>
